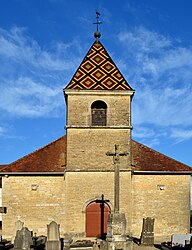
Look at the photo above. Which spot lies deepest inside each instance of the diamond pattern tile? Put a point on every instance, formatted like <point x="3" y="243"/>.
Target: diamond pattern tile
<point x="98" y="71"/>
<point x="109" y="83"/>
<point x="88" y="66"/>
<point x="108" y="67"/>
<point x="117" y="75"/>
<point x="79" y="74"/>
<point x="98" y="59"/>
<point x="98" y="74"/>
<point x="88" y="82"/>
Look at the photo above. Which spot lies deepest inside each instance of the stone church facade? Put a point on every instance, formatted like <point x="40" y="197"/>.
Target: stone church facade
<point x="63" y="180"/>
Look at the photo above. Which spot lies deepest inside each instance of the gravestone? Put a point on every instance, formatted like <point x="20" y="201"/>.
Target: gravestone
<point x="23" y="239"/>
<point x="180" y="239"/>
<point x="53" y="237"/>
<point x="147" y="234"/>
<point x="18" y="226"/>
<point x="95" y="246"/>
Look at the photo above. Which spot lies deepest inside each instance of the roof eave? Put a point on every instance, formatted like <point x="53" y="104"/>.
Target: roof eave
<point x="138" y="172"/>
<point x="100" y="92"/>
<point x="7" y="174"/>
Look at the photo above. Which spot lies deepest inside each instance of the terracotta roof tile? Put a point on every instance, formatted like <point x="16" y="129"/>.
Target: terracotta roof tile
<point x="3" y="166"/>
<point x="52" y="158"/>
<point x="147" y="159"/>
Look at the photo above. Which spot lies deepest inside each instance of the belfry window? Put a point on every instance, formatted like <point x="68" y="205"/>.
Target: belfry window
<point x="99" y="113"/>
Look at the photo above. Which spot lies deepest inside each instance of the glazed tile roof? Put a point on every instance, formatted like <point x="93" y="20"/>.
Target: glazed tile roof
<point x="52" y="158"/>
<point x="98" y="71"/>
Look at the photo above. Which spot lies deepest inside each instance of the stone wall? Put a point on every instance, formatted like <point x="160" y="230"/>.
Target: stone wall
<point x="39" y="200"/>
<point x="86" y="145"/>
<point x="79" y="108"/>
<point x="166" y="198"/>
<point x="36" y="199"/>
<point x="82" y="188"/>
<point x="86" y="148"/>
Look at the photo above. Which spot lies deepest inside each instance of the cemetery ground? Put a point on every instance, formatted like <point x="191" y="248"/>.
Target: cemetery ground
<point x="25" y="239"/>
<point x="46" y="243"/>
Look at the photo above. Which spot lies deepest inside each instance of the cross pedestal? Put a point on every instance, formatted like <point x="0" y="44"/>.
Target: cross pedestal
<point x="116" y="233"/>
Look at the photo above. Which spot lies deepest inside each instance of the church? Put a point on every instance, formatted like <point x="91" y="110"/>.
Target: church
<point x="64" y="180"/>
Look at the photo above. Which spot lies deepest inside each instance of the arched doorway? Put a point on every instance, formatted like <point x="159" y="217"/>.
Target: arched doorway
<point x="93" y="219"/>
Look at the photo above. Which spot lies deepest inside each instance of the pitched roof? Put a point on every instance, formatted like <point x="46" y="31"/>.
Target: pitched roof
<point x="147" y="159"/>
<point x="52" y="158"/>
<point x="98" y="71"/>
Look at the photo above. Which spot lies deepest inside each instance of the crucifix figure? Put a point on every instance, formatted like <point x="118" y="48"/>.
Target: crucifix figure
<point x="102" y="206"/>
<point x="116" y="160"/>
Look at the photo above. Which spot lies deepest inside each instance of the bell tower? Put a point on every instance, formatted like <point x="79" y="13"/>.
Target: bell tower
<point x="98" y="112"/>
<point x="98" y="102"/>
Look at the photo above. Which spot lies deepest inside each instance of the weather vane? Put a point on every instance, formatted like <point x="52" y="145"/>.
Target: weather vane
<point x="97" y="34"/>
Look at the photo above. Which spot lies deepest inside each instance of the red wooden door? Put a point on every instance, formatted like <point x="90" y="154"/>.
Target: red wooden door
<point x="93" y="219"/>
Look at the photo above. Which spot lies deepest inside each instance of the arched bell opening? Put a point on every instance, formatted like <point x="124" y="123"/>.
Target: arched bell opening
<point x="99" y="113"/>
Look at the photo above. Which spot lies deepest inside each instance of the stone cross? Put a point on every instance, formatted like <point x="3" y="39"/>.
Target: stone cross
<point x="116" y="160"/>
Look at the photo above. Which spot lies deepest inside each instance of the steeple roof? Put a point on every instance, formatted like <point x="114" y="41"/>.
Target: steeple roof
<point x="98" y="72"/>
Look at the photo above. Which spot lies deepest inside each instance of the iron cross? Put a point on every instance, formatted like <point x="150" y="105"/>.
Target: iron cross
<point x="102" y="206"/>
<point x="98" y="22"/>
<point x="116" y="160"/>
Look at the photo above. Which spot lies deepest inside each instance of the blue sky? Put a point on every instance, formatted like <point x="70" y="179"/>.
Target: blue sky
<point x="42" y="42"/>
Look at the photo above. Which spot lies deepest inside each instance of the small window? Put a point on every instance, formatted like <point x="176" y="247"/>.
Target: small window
<point x="99" y="113"/>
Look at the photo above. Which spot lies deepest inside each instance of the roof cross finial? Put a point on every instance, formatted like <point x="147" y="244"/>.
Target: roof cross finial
<point x="97" y="34"/>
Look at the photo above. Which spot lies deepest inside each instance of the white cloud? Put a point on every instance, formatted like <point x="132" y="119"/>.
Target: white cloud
<point x="17" y="46"/>
<point x="32" y="77"/>
<point x="3" y="130"/>
<point x="155" y="56"/>
<point x="181" y="134"/>
<point x="145" y="132"/>
<point x="27" y="98"/>
<point x="163" y="107"/>
<point x="144" y="40"/>
<point x="176" y="62"/>
<point x="161" y="69"/>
